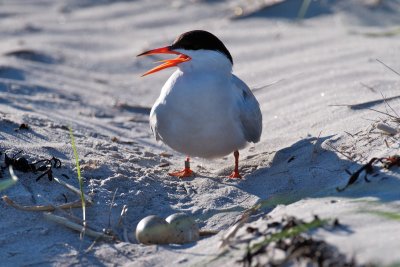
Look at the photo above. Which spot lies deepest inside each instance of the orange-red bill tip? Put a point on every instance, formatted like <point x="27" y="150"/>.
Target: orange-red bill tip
<point x="161" y="50"/>
<point x="168" y="62"/>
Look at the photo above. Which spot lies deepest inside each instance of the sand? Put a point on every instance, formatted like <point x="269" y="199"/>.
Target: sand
<point x="72" y="63"/>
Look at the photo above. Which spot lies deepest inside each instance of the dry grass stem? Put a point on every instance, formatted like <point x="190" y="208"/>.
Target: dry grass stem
<point x="122" y="215"/>
<point x="75" y="204"/>
<point x="208" y="232"/>
<point x="314" y="151"/>
<point x="397" y="119"/>
<point x="244" y="219"/>
<point x="338" y="151"/>
<point x="77" y="227"/>
<point x="388" y="67"/>
<point x="73" y="189"/>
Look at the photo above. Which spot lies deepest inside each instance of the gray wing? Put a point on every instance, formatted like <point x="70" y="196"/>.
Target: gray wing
<point x="250" y="113"/>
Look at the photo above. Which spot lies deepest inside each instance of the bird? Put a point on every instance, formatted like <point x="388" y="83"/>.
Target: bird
<point x="203" y="110"/>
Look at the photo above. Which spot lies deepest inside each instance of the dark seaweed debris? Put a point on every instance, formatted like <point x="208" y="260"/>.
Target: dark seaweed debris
<point x="290" y="236"/>
<point x="45" y="166"/>
<point x="368" y="168"/>
<point x="22" y="126"/>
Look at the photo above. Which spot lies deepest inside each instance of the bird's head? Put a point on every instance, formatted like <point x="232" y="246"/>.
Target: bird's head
<point x="198" y="47"/>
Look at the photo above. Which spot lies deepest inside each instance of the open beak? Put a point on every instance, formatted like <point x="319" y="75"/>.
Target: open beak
<point x="167" y="63"/>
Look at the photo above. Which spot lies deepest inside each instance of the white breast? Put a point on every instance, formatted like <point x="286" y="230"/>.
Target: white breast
<point x="198" y="110"/>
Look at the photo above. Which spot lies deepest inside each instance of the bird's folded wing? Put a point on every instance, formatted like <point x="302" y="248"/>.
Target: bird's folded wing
<point x="250" y="113"/>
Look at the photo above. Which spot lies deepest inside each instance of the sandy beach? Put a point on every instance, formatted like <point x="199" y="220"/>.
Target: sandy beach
<point x="326" y="83"/>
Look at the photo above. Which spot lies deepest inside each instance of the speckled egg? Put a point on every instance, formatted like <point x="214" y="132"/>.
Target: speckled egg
<point x="183" y="228"/>
<point x="153" y="230"/>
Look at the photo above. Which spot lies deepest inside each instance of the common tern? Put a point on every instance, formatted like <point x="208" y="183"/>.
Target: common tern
<point x="203" y="110"/>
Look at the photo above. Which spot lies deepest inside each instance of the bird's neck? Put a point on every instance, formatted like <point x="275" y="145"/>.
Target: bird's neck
<point x="206" y="61"/>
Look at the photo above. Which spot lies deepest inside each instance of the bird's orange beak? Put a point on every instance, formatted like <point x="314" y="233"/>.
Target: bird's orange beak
<point x="167" y="63"/>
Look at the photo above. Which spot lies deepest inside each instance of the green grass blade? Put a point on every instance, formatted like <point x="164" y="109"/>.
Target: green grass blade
<point x="395" y="264"/>
<point x="303" y="9"/>
<point x="78" y="168"/>
<point x="9" y="182"/>
<point x="387" y="33"/>
<point x="386" y="214"/>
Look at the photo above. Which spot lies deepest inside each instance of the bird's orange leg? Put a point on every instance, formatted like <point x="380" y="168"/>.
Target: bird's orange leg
<point x="235" y="173"/>
<point x="186" y="172"/>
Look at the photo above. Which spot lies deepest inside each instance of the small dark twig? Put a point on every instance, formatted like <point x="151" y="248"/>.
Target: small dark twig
<point x="368" y="168"/>
<point x="388" y="67"/>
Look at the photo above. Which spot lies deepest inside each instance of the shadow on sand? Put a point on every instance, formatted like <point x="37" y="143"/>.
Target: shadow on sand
<point x="384" y="13"/>
<point x="305" y="169"/>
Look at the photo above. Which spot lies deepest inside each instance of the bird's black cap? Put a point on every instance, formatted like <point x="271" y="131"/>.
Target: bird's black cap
<point x="199" y="39"/>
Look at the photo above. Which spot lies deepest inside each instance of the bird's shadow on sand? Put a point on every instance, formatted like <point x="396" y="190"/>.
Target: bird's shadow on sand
<point x="306" y="169"/>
